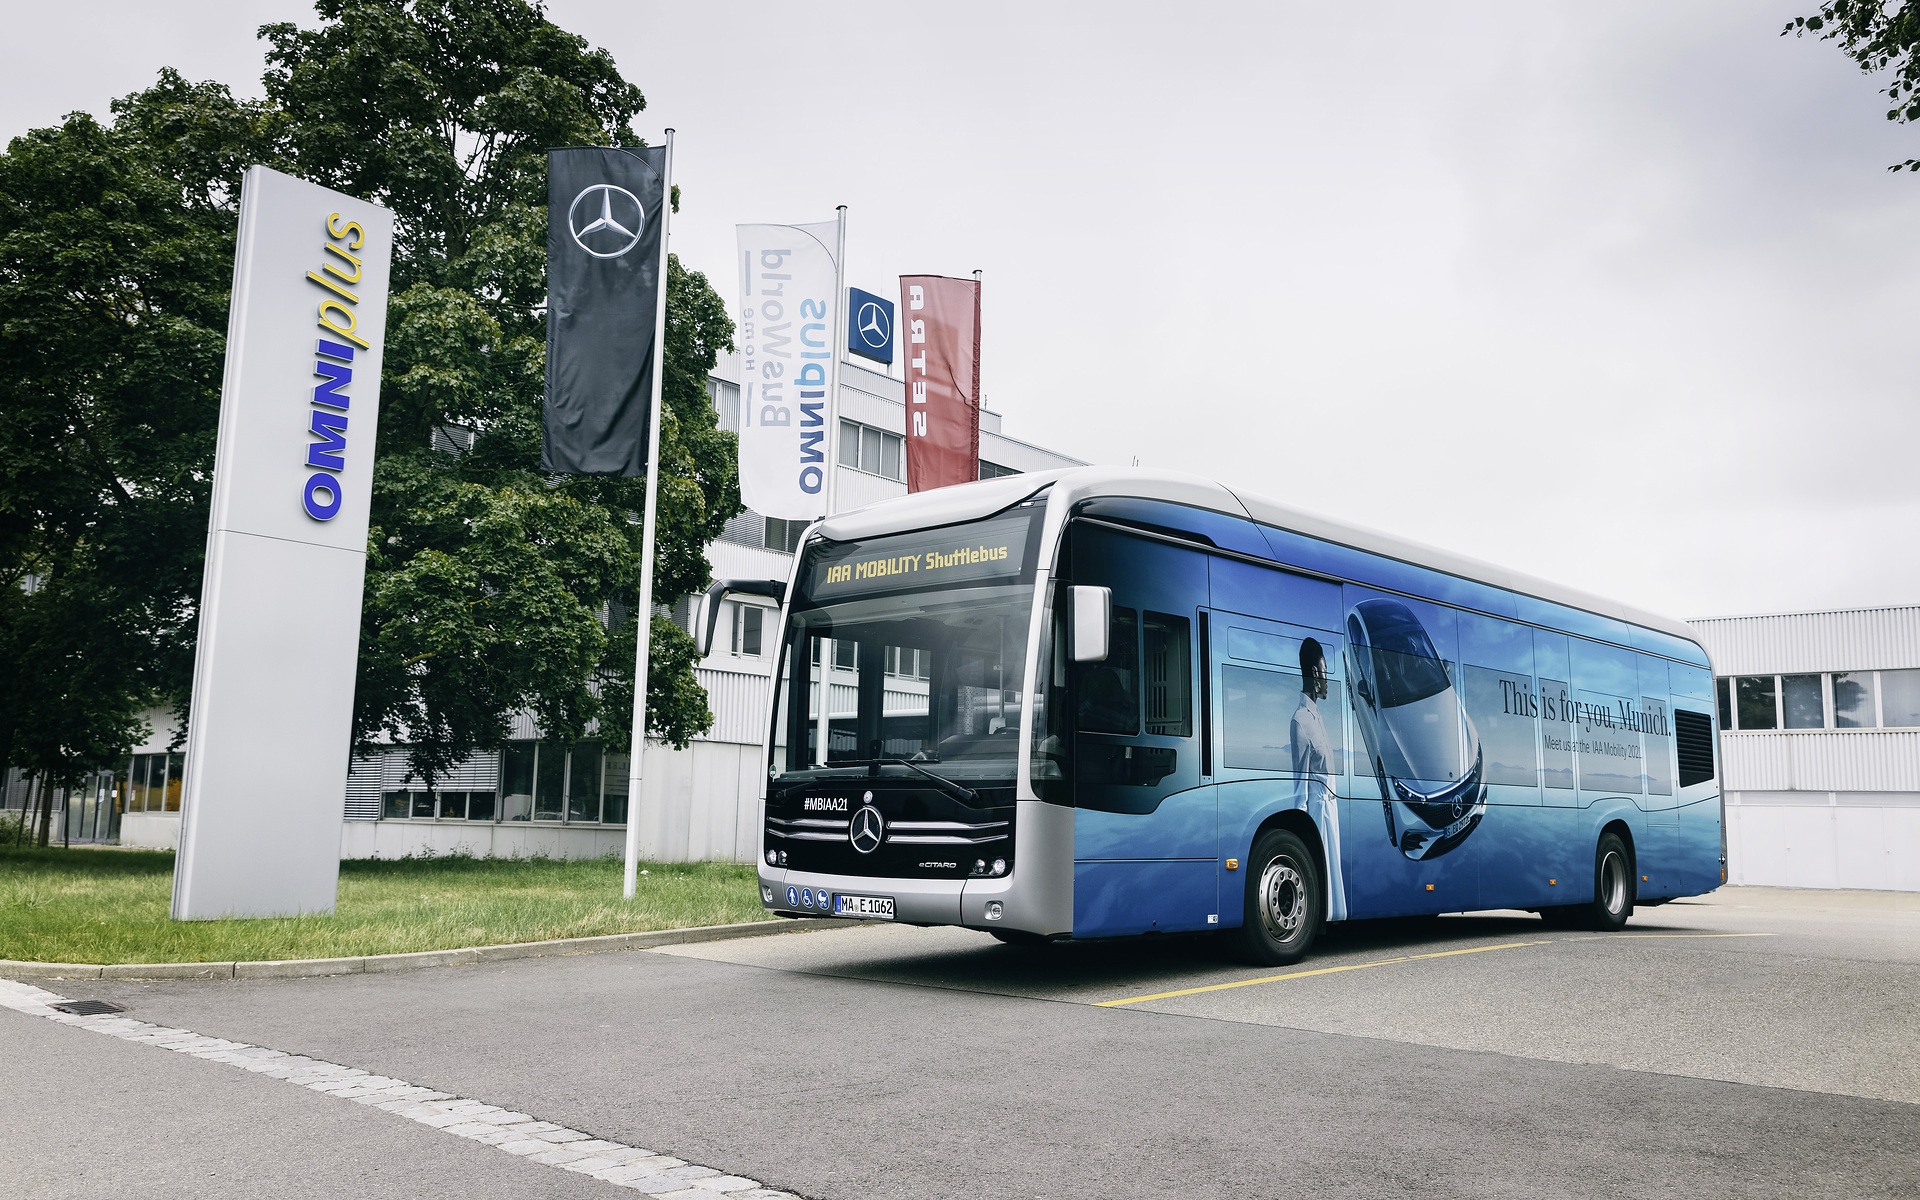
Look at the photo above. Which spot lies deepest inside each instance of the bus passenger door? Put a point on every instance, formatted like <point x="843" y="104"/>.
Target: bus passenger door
<point x="1145" y="826"/>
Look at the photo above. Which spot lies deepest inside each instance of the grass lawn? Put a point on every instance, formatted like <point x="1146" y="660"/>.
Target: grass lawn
<point x="109" y="906"/>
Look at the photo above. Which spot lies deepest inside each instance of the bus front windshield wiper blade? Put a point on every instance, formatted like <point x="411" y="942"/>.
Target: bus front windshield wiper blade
<point x="956" y="790"/>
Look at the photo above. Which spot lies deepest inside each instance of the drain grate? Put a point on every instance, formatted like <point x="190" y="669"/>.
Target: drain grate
<point x="89" y="1008"/>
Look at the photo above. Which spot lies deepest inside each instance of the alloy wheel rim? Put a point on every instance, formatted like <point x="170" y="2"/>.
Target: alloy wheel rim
<point x="1613" y="882"/>
<point x="1283" y="899"/>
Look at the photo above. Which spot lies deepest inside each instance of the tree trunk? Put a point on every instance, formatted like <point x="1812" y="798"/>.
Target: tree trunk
<point x="26" y="806"/>
<point x="46" y="814"/>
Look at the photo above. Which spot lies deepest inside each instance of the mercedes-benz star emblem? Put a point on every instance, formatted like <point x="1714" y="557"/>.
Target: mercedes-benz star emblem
<point x="613" y="219"/>
<point x="873" y="325"/>
<point x="867" y="830"/>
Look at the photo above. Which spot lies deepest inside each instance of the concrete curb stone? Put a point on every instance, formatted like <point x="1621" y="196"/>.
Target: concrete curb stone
<point x="308" y="968"/>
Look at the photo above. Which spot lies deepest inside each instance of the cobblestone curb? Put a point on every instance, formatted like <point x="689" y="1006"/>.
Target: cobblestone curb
<point x="517" y="1133"/>
<point x="373" y="964"/>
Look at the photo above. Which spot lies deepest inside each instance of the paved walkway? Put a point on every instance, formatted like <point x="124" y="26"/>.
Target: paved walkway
<point x="515" y="1133"/>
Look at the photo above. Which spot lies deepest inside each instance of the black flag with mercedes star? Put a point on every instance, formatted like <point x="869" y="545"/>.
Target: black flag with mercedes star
<point x="603" y="264"/>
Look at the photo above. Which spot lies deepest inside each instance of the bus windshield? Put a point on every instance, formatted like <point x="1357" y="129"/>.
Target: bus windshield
<point x="918" y="642"/>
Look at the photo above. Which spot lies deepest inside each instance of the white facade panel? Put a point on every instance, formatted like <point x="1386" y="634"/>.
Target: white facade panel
<point x="738" y="702"/>
<point x="1787" y="643"/>
<point x="1873" y="760"/>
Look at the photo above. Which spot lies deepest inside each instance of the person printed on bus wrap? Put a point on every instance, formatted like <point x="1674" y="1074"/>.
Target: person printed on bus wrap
<point x="1313" y="767"/>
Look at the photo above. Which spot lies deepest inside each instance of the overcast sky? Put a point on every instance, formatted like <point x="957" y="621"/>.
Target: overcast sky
<point x="1621" y="295"/>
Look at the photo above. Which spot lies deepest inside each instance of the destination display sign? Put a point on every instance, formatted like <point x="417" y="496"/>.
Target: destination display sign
<point x="965" y="554"/>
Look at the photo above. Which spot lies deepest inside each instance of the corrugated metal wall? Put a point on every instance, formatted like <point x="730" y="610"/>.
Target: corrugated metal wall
<point x="1860" y="639"/>
<point x="1884" y="760"/>
<point x="738" y="703"/>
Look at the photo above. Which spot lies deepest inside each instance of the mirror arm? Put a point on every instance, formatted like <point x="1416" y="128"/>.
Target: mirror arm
<point x="719" y="590"/>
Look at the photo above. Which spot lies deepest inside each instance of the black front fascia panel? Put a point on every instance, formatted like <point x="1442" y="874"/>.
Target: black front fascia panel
<point x="927" y="834"/>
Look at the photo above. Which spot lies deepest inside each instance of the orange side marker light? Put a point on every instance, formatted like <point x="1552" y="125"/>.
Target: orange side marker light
<point x="1233" y="864"/>
<point x="1429" y="887"/>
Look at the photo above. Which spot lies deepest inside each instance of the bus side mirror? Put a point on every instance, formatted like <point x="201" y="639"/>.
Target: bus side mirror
<point x="703" y="625"/>
<point x="1092" y="615"/>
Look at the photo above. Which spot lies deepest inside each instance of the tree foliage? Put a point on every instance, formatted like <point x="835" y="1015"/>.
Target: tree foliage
<point x="489" y="584"/>
<point x="1880" y="36"/>
<point x="116" y="251"/>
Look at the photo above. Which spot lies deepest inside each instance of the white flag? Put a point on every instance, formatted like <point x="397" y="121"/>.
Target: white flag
<point x="789" y="332"/>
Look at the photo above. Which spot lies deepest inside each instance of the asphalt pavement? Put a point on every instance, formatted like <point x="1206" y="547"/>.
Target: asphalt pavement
<point x="1753" y="1043"/>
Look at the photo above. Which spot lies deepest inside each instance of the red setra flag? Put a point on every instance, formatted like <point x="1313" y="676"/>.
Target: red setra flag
<point x="942" y="320"/>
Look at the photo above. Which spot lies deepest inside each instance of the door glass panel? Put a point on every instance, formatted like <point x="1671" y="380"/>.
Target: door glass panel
<point x="549" y="776"/>
<point x="1109" y="692"/>
<point x="516" y="781"/>
<point x="613" y="809"/>
<point x="583" y="783"/>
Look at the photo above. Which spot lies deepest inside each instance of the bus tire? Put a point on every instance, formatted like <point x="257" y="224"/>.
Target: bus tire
<point x="1613" y="890"/>
<point x="1285" y="901"/>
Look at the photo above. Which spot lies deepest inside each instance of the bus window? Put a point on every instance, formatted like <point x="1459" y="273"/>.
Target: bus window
<point x="1109" y="692"/>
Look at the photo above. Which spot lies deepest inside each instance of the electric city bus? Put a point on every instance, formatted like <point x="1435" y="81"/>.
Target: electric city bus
<point x="1097" y="703"/>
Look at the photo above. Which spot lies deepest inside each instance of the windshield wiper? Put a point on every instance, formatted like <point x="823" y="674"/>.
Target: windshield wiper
<point x="956" y="790"/>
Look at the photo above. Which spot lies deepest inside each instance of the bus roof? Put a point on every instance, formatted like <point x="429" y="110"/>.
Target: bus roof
<point x="972" y="501"/>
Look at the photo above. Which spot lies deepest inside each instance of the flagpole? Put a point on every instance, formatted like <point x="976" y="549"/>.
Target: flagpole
<point x="644" y="618"/>
<point x="838" y="341"/>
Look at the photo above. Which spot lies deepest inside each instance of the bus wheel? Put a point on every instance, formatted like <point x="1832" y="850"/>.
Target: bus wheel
<point x="1285" y="903"/>
<point x="1612" y="887"/>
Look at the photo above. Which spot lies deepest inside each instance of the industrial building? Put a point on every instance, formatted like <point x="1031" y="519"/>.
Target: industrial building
<point x="1820" y="734"/>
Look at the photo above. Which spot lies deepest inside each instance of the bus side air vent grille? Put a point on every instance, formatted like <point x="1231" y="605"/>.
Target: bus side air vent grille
<point x="1693" y="737"/>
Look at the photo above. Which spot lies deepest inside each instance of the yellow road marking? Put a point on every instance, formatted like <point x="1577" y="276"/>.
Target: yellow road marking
<point x="1385" y="962"/>
<point x="1616" y="936"/>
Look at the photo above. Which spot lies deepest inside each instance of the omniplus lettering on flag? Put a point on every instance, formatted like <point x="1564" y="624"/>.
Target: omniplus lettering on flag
<point x="788" y="319"/>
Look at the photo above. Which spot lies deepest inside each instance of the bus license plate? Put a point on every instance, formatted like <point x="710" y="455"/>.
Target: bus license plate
<point x="878" y="908"/>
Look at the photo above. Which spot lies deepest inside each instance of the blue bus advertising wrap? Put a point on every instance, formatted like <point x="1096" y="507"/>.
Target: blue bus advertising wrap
<point x="1113" y="703"/>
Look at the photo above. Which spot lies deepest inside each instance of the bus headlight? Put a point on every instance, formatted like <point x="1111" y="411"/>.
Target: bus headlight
<point x="773" y="858"/>
<point x="999" y="866"/>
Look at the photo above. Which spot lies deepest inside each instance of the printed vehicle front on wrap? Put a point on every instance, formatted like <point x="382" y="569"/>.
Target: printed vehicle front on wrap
<point x="1416" y="731"/>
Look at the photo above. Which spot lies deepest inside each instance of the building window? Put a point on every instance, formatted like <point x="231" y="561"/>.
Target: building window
<point x="1900" y="699"/>
<point x="549" y="781"/>
<point x="1723" y="688"/>
<point x="1801" y="702"/>
<point x="153" y="783"/>
<point x="874" y="451"/>
<point x="991" y="470"/>
<point x="748" y="620"/>
<point x="1853" y="703"/>
<point x="726" y="403"/>
<point x="784" y="536"/>
<point x="909" y="663"/>
<point x="1754" y="698"/>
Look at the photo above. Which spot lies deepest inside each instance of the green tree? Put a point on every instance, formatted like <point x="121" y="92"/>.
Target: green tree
<point x="116" y="248"/>
<point x="487" y="580"/>
<point x="1880" y="37"/>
